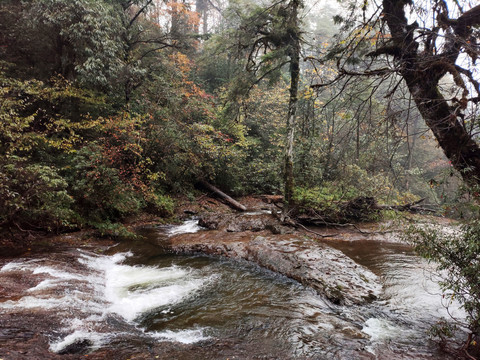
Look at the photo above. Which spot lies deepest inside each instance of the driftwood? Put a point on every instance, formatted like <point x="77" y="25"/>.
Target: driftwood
<point x="357" y="210"/>
<point x="360" y="209"/>
<point x="412" y="207"/>
<point x="231" y="202"/>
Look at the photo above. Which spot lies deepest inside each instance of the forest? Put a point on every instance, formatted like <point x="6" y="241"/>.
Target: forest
<point x="346" y="112"/>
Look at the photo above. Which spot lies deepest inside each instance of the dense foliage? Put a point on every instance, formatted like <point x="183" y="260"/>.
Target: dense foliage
<point x="112" y="108"/>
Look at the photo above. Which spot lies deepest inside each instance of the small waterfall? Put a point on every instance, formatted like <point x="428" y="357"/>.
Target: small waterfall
<point x="188" y="227"/>
<point x="104" y="289"/>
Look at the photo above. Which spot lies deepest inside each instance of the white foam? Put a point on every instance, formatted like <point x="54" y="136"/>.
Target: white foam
<point x="36" y="269"/>
<point x="106" y="287"/>
<point x="135" y="290"/>
<point x="95" y="339"/>
<point x="380" y="330"/>
<point x="256" y="213"/>
<point x="11" y="266"/>
<point x="45" y="284"/>
<point x="128" y="276"/>
<point x="17" y="265"/>
<point x="56" y="273"/>
<point x="130" y="304"/>
<point x="32" y="302"/>
<point x="182" y="336"/>
<point x="188" y="227"/>
<point x="101" y="262"/>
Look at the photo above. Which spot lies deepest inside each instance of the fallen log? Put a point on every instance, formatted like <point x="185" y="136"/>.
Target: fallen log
<point x="360" y="209"/>
<point x="230" y="201"/>
<point x="411" y="207"/>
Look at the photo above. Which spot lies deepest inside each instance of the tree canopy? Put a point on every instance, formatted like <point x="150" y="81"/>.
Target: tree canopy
<point x="433" y="51"/>
<point x="163" y="94"/>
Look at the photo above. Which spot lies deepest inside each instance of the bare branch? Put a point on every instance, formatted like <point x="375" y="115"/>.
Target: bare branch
<point x="470" y="77"/>
<point x="139" y="12"/>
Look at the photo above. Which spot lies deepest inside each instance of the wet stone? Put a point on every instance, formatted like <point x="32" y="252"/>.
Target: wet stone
<point x="15" y="334"/>
<point x="81" y="346"/>
<point x="326" y="270"/>
<point x="239" y="222"/>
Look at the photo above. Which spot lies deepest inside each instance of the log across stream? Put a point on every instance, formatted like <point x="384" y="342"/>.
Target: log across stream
<point x="140" y="300"/>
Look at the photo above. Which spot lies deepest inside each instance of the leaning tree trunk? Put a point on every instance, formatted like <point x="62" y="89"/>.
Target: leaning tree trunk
<point x="457" y="144"/>
<point x="422" y="70"/>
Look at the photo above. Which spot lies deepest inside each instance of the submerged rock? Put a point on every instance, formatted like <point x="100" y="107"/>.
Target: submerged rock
<point x="328" y="271"/>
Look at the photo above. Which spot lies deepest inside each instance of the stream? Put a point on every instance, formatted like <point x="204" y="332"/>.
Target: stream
<point x="139" y="298"/>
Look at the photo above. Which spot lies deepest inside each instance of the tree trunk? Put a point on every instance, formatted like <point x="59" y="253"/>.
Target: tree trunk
<point x="292" y="104"/>
<point x="205" y="21"/>
<point x="200" y="9"/>
<point x="456" y="142"/>
<point x="231" y="202"/>
<point x="422" y="72"/>
<point x="411" y="141"/>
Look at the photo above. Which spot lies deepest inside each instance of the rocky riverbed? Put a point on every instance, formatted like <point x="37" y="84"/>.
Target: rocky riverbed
<point x="73" y="295"/>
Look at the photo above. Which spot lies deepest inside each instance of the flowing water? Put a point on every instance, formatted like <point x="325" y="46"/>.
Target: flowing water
<point x="139" y="293"/>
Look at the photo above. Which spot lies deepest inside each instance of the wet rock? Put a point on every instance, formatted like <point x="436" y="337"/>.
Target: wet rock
<point x="210" y="222"/>
<point x="278" y="229"/>
<point x="272" y="199"/>
<point x="328" y="271"/>
<point x="15" y="334"/>
<point x="256" y="223"/>
<point x="81" y="346"/>
<point x="238" y="222"/>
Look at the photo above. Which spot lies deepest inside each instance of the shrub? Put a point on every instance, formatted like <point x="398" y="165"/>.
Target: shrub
<point x="34" y="196"/>
<point x="323" y="198"/>
<point x="162" y="205"/>
<point x="328" y="204"/>
<point x="99" y="192"/>
<point x="457" y="255"/>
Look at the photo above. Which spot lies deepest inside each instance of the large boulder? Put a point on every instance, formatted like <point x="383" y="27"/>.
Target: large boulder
<point x="326" y="270"/>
